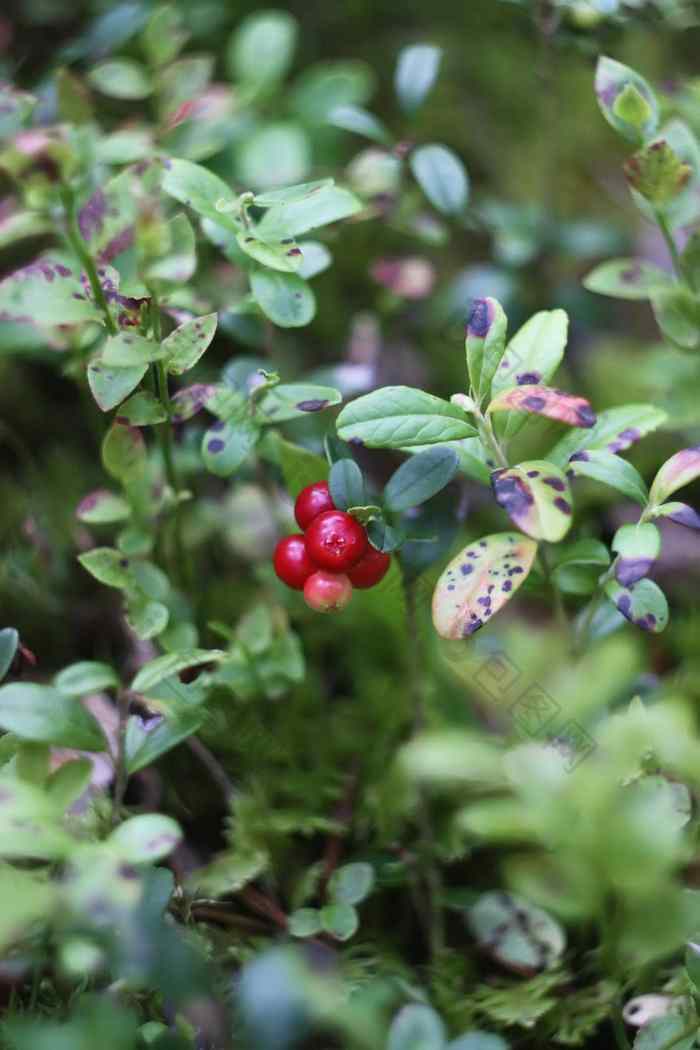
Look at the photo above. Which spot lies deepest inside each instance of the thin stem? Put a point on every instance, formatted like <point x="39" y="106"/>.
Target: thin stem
<point x="559" y="607"/>
<point x="75" y="239"/>
<point x="489" y="439"/>
<point x="671" y="245"/>
<point x="121" y="774"/>
<point x="433" y="919"/>
<point x="584" y="625"/>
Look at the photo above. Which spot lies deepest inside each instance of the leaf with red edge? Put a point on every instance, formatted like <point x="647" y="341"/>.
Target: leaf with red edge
<point x="537" y="498"/>
<point x="479" y="581"/>
<point x="676" y="472"/>
<point x="546" y="401"/>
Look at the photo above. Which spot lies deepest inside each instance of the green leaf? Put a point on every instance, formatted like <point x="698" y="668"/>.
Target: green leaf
<point x="627" y="279"/>
<point x="109" y="386"/>
<point x="298" y="465"/>
<point x="85" y="677"/>
<point x="578" y="565"/>
<point x="485" y="344"/>
<point x="676" y="472"/>
<point x="9" y="641"/>
<point x="163" y="35"/>
<point x="151" y="674"/>
<point x="201" y="190"/>
<point x="315" y="258"/>
<point x="385" y="537"/>
<point x="420" y="478"/>
<point x="304" y="922"/>
<point x="351" y="883"/>
<point x="261" y="49"/>
<point x="146" y="838"/>
<point x="340" y="921"/>
<point x="609" y="469"/>
<point x="663" y="1032"/>
<point x="324" y="204"/>
<point x="283" y="297"/>
<point x="462" y="601"/>
<point x="677" y="313"/>
<point x="145" y="745"/>
<point x="361" y="122"/>
<point x="124" y="452"/>
<point x="227" y="444"/>
<point x="519" y="935"/>
<point x="184" y="347"/>
<point x="273" y="154"/>
<point x="626" y="100"/>
<point x="616" y="430"/>
<point x="643" y="604"/>
<point x="478" y="1040"/>
<point x="441" y="175"/>
<point x="284" y="256"/>
<point x="546" y="401"/>
<point x="537" y="498"/>
<point x="401" y="416"/>
<point x="416" y="1027"/>
<point x="67" y="783"/>
<point x="102" y="507"/>
<point x="657" y="173"/>
<point x="290" y="194"/>
<point x="416" y="71"/>
<point x="121" y="78"/>
<point x="287" y="401"/>
<point x="346" y="484"/>
<point x="107" y="565"/>
<point x="38" y="712"/>
<point x="637" y="548"/>
<point x="147" y="618"/>
<point x="129" y="350"/>
<point x="142" y="409"/>
<point x="180" y="261"/>
<point x="46" y="292"/>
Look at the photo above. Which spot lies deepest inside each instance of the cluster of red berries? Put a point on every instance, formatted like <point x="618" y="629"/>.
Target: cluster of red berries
<point x="331" y="557"/>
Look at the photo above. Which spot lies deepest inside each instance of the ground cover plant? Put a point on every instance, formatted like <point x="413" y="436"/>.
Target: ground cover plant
<point x="351" y="515"/>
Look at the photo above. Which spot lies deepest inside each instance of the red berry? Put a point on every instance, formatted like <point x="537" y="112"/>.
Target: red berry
<point x="312" y="501"/>
<point x="292" y="562"/>
<point x="335" y="541"/>
<point x="327" y="591"/>
<point x="370" y="569"/>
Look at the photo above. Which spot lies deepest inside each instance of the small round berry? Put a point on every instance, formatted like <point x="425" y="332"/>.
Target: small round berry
<point x="335" y="541"/>
<point x="327" y="591"/>
<point x="312" y="501"/>
<point x="292" y="562"/>
<point x="370" y="569"/>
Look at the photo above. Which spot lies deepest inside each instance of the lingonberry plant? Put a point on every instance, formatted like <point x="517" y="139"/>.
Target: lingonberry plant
<point x="437" y="819"/>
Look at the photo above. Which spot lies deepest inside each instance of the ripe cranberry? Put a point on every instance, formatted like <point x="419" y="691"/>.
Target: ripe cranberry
<point x="370" y="569"/>
<point x="327" y="591"/>
<point x="335" y="541"/>
<point x="312" y="501"/>
<point x="292" y="562"/>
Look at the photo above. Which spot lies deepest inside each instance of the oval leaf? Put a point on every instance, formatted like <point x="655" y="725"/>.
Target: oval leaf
<point x="518" y="934"/>
<point x="676" y="472"/>
<point x="400" y="417"/>
<point x="38" y="712"/>
<point x="626" y="279"/>
<point x="479" y="581"/>
<point x="285" y="298"/>
<point x="420" y="478"/>
<point x="416" y="1027"/>
<point x="546" y="401"/>
<point x="441" y="175"/>
<point x="415" y="75"/>
<point x="637" y="548"/>
<point x="295" y="401"/>
<point x="85" y="677"/>
<point x="485" y="344"/>
<point x="643" y="604"/>
<point x="184" y="347"/>
<point x="109" y="386"/>
<point x="146" y="838"/>
<point x="608" y="468"/>
<point x="227" y="444"/>
<point x="346" y="484"/>
<point x="616" y="430"/>
<point x="537" y="498"/>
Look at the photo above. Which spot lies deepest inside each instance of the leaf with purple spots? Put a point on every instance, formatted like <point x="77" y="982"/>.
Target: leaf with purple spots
<point x="606" y="467"/>
<point x="179" y="262"/>
<point x="184" y="347"/>
<point x="676" y="472"/>
<point x="537" y="498"/>
<point x="680" y="513"/>
<point x="285" y="255"/>
<point x="643" y="604"/>
<point x="110" y="386"/>
<point x="485" y="344"/>
<point x="129" y="350"/>
<point x="228" y="443"/>
<point x="287" y="401"/>
<point x="627" y="279"/>
<point x="615" y="430"/>
<point x="546" y="401"/>
<point x="47" y="292"/>
<point x="637" y="548"/>
<point x="107" y="220"/>
<point x="190" y="400"/>
<point x="532" y="356"/>
<point x="102" y="507"/>
<point x="124" y="452"/>
<point x="479" y="581"/>
<point x="284" y="298"/>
